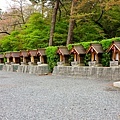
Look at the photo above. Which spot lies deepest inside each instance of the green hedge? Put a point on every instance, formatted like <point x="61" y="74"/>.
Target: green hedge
<point x="52" y="57"/>
<point x="105" y="44"/>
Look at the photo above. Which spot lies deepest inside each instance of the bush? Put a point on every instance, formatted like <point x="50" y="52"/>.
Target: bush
<point x="52" y="57"/>
<point x="105" y="59"/>
<point x="87" y="59"/>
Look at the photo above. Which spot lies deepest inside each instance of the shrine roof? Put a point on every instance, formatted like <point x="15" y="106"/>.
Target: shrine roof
<point x="15" y="54"/>
<point x="24" y="53"/>
<point x="79" y="49"/>
<point x="115" y="44"/>
<point x="32" y="52"/>
<point x="63" y="50"/>
<point x="41" y="51"/>
<point x="96" y="47"/>
<point x="8" y="54"/>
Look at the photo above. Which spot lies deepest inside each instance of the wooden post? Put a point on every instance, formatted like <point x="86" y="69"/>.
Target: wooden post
<point x="24" y="60"/>
<point x="41" y="59"/>
<point x="75" y="57"/>
<point x="32" y="59"/>
<point x="96" y="58"/>
<point x="14" y="59"/>
<point x="113" y="56"/>
<point x="78" y="58"/>
<point x="117" y="56"/>
<point x="8" y="60"/>
<point x="61" y="58"/>
<point x="92" y="56"/>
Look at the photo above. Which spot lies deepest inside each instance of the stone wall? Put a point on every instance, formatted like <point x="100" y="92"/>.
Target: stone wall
<point x="12" y="67"/>
<point x="104" y="73"/>
<point x="31" y="69"/>
<point x="1" y="66"/>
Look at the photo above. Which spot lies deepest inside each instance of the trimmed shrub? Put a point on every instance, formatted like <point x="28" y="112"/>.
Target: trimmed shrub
<point x="105" y="59"/>
<point x="52" y="57"/>
<point x="87" y="59"/>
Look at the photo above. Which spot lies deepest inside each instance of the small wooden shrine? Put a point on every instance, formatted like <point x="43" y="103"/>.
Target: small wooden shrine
<point x="79" y="53"/>
<point x="1" y="58"/>
<point x="33" y="56"/>
<point x="16" y="57"/>
<point x="8" y="57"/>
<point x="96" y="51"/>
<point x="42" y="56"/>
<point x="12" y="57"/>
<point x="25" y="58"/>
<point x="114" y="49"/>
<point x="63" y="54"/>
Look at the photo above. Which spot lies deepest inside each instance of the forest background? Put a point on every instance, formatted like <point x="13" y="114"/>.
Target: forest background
<point x="43" y="23"/>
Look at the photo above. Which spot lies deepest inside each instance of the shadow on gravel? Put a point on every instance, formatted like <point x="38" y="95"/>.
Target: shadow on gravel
<point x="3" y="77"/>
<point x="112" y="88"/>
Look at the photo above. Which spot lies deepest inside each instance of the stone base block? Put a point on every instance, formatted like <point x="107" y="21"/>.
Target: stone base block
<point x="92" y="63"/>
<point x="116" y="84"/>
<point x="113" y="63"/>
<point x="60" y="63"/>
<point x="31" y="63"/>
<point x="23" y="63"/>
<point x="75" y="63"/>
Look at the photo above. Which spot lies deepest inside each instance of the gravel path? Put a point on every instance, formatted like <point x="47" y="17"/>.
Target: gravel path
<point x="32" y="97"/>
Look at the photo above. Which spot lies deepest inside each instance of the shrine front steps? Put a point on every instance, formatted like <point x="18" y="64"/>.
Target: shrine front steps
<point x="116" y="84"/>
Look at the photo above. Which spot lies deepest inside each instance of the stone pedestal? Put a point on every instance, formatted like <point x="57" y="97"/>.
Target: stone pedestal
<point x="92" y="63"/>
<point x="12" y="63"/>
<point x="39" y="63"/>
<point x="31" y="63"/>
<point x="7" y="63"/>
<point x="61" y="63"/>
<point x="113" y="63"/>
<point x="23" y="63"/>
<point x="75" y="63"/>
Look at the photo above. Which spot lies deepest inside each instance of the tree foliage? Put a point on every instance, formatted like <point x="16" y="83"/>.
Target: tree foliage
<point x="94" y="20"/>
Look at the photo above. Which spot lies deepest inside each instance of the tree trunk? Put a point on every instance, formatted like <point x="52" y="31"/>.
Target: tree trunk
<point x="42" y="8"/>
<point x="70" y="31"/>
<point x="71" y="24"/>
<point x="53" y="22"/>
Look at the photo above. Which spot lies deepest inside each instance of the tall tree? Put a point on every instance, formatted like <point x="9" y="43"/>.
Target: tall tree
<point x="54" y="15"/>
<point x="15" y="16"/>
<point x="71" y="23"/>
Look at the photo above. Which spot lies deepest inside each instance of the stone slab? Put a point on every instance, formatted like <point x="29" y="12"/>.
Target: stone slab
<point x="116" y="84"/>
<point x="102" y="73"/>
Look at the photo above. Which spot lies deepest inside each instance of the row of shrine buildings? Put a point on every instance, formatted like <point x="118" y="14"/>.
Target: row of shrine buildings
<point x="39" y="57"/>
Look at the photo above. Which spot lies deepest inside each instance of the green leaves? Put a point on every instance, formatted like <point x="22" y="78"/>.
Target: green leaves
<point x="87" y="59"/>
<point x="105" y="59"/>
<point x="52" y="57"/>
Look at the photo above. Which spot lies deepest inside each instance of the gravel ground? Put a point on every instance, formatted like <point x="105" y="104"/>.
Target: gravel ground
<point x="32" y="97"/>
